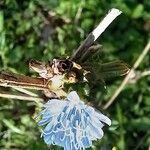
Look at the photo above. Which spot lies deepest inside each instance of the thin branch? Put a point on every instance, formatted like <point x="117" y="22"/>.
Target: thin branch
<point x="78" y="14"/>
<point x="138" y="75"/>
<point x="145" y="73"/>
<point x="25" y="91"/>
<point x="141" y="141"/>
<point x="19" y="97"/>
<point x="125" y="81"/>
<point x="9" y="79"/>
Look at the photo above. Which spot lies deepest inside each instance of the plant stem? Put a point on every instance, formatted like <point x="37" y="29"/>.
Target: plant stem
<point x="125" y="81"/>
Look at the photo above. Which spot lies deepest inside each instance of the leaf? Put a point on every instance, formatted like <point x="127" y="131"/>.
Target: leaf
<point x="10" y="125"/>
<point x="138" y="11"/>
<point x="1" y="21"/>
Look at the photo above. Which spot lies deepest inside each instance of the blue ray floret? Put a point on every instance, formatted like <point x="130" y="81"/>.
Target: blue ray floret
<point x="71" y="124"/>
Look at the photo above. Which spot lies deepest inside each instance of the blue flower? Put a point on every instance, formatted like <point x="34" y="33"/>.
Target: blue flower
<point x="71" y="124"/>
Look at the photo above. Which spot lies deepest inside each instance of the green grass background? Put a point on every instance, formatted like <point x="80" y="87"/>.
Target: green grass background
<point x="23" y="35"/>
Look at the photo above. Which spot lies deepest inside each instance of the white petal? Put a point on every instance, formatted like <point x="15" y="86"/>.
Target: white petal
<point x="73" y="97"/>
<point x="103" y="118"/>
<point x="55" y="106"/>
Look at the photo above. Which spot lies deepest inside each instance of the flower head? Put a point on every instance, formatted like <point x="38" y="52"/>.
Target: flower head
<point x="71" y="124"/>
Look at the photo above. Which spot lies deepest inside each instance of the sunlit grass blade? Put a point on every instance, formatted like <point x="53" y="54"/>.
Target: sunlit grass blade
<point x="114" y="69"/>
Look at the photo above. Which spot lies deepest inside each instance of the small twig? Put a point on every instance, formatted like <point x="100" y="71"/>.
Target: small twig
<point x="141" y="141"/>
<point x="138" y="75"/>
<point x="145" y="73"/>
<point x="125" y="81"/>
<point x="19" y="97"/>
<point x="25" y="91"/>
<point x="9" y="79"/>
<point x="78" y="14"/>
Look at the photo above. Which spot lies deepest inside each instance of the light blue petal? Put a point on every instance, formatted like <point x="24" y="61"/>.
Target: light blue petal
<point x="97" y="132"/>
<point x="45" y="112"/>
<point x="63" y="115"/>
<point x="86" y="142"/>
<point x="59" y="138"/>
<point x="67" y="144"/>
<point x="44" y="121"/>
<point x="48" y="139"/>
<point x="49" y="128"/>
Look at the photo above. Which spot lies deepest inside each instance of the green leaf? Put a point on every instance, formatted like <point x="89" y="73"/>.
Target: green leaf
<point x="10" y="125"/>
<point x="1" y="21"/>
<point x="138" y="11"/>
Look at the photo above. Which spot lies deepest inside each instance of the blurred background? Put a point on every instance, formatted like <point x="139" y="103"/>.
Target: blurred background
<point x="46" y="29"/>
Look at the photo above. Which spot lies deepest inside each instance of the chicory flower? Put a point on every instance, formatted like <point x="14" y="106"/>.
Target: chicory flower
<point x="71" y="124"/>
